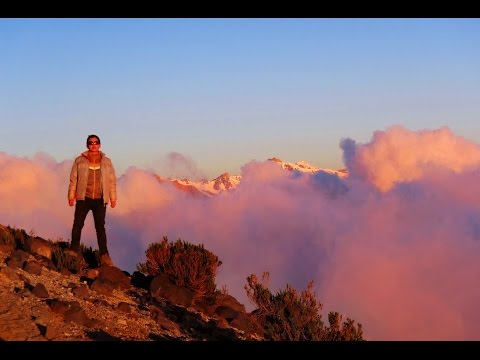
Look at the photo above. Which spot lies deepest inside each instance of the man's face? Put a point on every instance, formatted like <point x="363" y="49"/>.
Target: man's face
<point x="93" y="144"/>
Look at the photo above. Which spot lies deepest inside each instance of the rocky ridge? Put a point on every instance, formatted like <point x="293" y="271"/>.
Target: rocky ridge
<point x="40" y="302"/>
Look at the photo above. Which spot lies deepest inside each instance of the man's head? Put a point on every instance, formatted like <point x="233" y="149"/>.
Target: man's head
<point x="93" y="143"/>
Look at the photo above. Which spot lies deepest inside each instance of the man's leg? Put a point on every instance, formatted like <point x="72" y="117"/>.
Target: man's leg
<point x="99" y="209"/>
<point x="81" y="211"/>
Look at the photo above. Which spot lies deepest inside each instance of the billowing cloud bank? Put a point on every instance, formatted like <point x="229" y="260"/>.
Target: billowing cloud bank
<point x="395" y="246"/>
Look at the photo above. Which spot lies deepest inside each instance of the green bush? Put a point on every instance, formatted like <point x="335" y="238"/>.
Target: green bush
<point x="289" y="316"/>
<point x="185" y="264"/>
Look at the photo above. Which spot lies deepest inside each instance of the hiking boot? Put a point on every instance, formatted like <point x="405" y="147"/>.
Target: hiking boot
<point x="105" y="260"/>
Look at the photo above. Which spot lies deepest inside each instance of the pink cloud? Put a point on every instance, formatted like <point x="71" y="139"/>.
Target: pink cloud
<point x="176" y="165"/>
<point x="399" y="155"/>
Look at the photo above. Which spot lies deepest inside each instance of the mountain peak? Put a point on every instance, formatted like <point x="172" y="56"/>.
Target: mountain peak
<point x="306" y="167"/>
<point x="301" y="165"/>
<point x="225" y="182"/>
<point x="225" y="175"/>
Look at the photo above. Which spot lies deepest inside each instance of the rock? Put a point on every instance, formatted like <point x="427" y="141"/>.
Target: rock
<point x="37" y="245"/>
<point x="40" y="291"/>
<point x="32" y="268"/>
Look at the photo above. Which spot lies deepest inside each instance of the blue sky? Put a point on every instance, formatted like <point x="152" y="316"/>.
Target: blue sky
<point x="223" y="92"/>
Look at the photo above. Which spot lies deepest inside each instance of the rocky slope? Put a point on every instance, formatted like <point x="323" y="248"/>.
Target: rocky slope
<point x="40" y="301"/>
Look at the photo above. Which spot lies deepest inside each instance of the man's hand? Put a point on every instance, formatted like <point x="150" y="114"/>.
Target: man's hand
<point x="71" y="202"/>
<point x="113" y="203"/>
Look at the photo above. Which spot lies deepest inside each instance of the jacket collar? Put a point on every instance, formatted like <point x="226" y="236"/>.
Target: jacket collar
<point x="85" y="154"/>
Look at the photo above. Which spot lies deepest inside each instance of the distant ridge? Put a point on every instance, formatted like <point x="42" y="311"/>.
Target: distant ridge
<point x="226" y="182"/>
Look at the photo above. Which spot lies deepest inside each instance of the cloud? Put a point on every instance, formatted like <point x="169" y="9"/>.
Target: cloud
<point x="400" y="155"/>
<point x="33" y="193"/>
<point x="178" y="166"/>
<point x="395" y="245"/>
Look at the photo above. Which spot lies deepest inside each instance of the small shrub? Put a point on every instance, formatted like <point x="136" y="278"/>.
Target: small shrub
<point x="345" y="331"/>
<point x="92" y="257"/>
<point x="20" y="236"/>
<point x="13" y="236"/>
<point x="188" y="265"/>
<point x="289" y="316"/>
<point x="142" y="267"/>
<point x="224" y="290"/>
<point x="63" y="260"/>
<point x="6" y="236"/>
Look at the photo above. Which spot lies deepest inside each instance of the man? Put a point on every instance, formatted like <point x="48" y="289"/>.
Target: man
<point x="93" y="185"/>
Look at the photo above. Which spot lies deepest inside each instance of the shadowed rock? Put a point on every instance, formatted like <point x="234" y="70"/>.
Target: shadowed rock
<point x="52" y="333"/>
<point x="81" y="292"/>
<point x="227" y="313"/>
<point x="71" y="311"/>
<point x="194" y="325"/>
<point x="101" y="302"/>
<point x="140" y="280"/>
<point x="114" y="276"/>
<point x="40" y="291"/>
<point x="102" y="286"/>
<point x="60" y="307"/>
<point x="124" y="307"/>
<point x="92" y="274"/>
<point x="9" y="273"/>
<point x="78" y="315"/>
<point x="162" y="287"/>
<point x="212" y="302"/>
<point x="32" y="268"/>
<point x="17" y="258"/>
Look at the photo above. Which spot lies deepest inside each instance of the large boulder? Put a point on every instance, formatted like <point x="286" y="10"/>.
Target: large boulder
<point x="162" y="287"/>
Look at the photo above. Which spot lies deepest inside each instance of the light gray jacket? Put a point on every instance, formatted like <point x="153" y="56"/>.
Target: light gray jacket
<point x="79" y="178"/>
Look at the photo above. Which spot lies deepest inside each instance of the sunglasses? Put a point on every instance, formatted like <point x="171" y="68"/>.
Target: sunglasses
<point x="93" y="143"/>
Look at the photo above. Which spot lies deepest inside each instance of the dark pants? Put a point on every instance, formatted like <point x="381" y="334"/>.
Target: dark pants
<point x="81" y="210"/>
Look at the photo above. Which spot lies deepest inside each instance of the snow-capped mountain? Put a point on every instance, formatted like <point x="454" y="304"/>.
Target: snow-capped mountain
<point x="205" y="188"/>
<point x="224" y="182"/>
<point x="227" y="182"/>
<point x="303" y="166"/>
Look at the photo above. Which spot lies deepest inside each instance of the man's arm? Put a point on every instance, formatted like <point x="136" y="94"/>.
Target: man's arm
<point x="113" y="186"/>
<point x="72" y="187"/>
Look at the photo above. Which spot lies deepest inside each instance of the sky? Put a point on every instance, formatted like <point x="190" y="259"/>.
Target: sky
<point x="394" y="245"/>
<point x="223" y="92"/>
